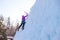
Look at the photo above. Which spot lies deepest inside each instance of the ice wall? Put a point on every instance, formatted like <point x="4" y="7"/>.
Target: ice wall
<point x="43" y="22"/>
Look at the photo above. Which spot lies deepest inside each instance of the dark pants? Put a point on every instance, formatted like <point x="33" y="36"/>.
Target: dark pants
<point x="22" y="24"/>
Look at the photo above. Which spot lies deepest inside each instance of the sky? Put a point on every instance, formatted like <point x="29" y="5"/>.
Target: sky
<point x="43" y="22"/>
<point x="15" y="9"/>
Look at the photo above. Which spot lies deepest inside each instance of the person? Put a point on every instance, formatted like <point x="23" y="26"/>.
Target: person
<point x="23" y="21"/>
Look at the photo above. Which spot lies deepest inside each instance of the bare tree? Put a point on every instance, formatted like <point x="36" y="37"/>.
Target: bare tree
<point x="8" y="21"/>
<point x="1" y="17"/>
<point x="1" y="20"/>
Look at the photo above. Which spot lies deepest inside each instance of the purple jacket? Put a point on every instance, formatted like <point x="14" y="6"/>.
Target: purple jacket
<point x="23" y="17"/>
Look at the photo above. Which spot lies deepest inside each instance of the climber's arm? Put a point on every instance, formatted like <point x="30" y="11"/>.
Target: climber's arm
<point x="26" y="13"/>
